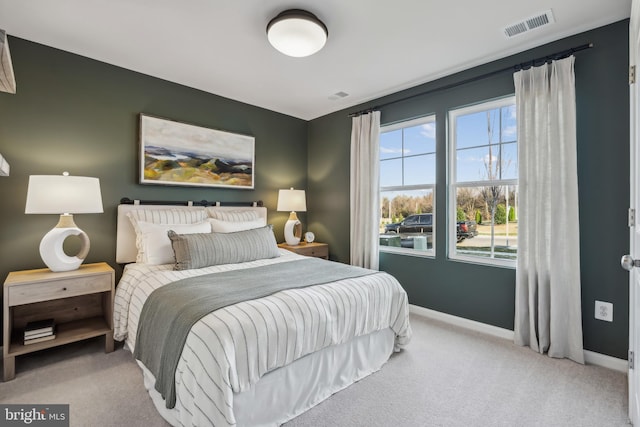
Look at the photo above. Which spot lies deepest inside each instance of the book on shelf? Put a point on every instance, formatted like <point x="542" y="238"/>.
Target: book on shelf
<point x="40" y="339"/>
<point x="39" y="326"/>
<point x="38" y="335"/>
<point x="39" y="332"/>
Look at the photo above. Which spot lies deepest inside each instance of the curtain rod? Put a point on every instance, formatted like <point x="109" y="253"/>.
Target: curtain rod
<point x="517" y="67"/>
<point x="128" y="201"/>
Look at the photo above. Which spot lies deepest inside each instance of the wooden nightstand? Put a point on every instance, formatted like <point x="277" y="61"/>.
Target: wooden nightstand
<point x="314" y="249"/>
<point x="79" y="301"/>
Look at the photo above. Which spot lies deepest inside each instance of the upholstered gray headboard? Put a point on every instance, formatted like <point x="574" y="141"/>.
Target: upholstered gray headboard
<point x="126" y="249"/>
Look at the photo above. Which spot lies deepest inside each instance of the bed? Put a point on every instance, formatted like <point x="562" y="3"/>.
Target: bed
<point x="259" y="362"/>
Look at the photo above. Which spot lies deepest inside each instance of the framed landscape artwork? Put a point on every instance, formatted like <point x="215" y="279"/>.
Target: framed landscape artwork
<point x="174" y="153"/>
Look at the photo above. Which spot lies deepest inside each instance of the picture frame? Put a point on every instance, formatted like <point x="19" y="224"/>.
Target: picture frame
<point x="176" y="153"/>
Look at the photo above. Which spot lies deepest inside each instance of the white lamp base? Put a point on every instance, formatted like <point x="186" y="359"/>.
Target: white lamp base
<point x="292" y="230"/>
<point x="51" y="246"/>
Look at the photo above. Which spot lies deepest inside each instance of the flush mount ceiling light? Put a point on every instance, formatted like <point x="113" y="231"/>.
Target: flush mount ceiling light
<point x="297" y="33"/>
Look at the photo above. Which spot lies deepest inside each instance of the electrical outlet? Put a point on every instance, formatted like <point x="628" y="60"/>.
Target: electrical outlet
<point x="604" y="311"/>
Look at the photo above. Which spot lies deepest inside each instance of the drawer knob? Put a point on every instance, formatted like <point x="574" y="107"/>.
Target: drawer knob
<point x="64" y="289"/>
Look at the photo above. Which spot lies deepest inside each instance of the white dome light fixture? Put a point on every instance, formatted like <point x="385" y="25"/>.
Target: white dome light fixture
<point x="297" y="33"/>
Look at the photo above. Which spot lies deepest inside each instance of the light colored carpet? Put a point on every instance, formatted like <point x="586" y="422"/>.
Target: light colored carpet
<point x="446" y="377"/>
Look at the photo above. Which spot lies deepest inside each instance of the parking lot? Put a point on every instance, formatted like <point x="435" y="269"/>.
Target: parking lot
<point x="505" y="237"/>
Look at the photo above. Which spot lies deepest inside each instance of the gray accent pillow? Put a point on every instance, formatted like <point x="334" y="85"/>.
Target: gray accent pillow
<point x="200" y="250"/>
<point x="235" y="215"/>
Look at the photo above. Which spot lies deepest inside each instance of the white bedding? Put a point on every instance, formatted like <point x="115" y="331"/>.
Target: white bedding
<point x="229" y="350"/>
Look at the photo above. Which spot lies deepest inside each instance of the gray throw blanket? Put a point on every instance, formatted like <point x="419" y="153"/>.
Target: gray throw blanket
<point x="170" y="311"/>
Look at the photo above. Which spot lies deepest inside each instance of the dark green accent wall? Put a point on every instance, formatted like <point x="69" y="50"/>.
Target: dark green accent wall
<point x="80" y="115"/>
<point x="484" y="293"/>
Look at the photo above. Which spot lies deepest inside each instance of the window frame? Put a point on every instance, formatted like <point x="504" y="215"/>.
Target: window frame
<point x="422" y="120"/>
<point x="453" y="184"/>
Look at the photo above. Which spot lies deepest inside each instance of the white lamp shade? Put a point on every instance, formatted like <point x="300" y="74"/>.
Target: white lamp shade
<point x="292" y="200"/>
<point x="58" y="194"/>
<point x="297" y="33"/>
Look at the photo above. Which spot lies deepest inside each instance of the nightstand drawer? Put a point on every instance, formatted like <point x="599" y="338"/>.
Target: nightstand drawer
<point x="315" y="251"/>
<point x="27" y="293"/>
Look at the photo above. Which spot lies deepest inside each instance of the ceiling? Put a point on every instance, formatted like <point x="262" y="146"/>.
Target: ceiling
<point x="374" y="48"/>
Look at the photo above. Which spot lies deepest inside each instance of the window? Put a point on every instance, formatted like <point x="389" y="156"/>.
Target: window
<point x="407" y="186"/>
<point x="483" y="177"/>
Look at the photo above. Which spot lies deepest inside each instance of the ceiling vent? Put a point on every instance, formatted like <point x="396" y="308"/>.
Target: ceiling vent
<point x="528" y="24"/>
<point x="338" y="95"/>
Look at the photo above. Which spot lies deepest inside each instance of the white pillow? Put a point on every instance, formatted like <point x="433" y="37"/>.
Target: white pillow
<point x="154" y="243"/>
<point x="163" y="216"/>
<point x="232" y="215"/>
<point x="220" y="226"/>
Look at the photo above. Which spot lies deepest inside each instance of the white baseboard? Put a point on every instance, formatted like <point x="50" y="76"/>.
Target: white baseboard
<point x="590" y="357"/>
<point x="599" y="359"/>
<point x="462" y="322"/>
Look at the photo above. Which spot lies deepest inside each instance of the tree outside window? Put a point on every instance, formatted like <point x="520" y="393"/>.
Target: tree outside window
<point x="484" y="181"/>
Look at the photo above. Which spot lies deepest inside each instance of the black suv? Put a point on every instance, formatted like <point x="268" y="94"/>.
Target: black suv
<point x="411" y="223"/>
<point x="412" y="226"/>
<point x="422" y="225"/>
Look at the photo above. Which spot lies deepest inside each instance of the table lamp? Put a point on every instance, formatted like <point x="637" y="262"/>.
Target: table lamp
<point x="292" y="200"/>
<point x="64" y="195"/>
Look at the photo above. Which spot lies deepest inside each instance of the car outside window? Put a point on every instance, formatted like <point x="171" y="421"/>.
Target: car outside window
<point x="426" y="219"/>
<point x="412" y="220"/>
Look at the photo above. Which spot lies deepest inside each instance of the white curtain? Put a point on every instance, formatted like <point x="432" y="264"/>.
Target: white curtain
<point x="7" y="79"/>
<point x="365" y="197"/>
<point x="548" y="314"/>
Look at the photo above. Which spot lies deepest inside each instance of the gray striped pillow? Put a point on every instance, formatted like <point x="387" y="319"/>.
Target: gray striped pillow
<point x="206" y="249"/>
<point x="168" y="216"/>
<point x="234" y="215"/>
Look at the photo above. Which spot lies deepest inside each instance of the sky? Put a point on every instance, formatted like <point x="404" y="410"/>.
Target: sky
<point x="419" y="144"/>
<point x="473" y="141"/>
<point x="473" y="137"/>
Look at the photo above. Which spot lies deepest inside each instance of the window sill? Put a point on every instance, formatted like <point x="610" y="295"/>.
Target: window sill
<point x="490" y="262"/>
<point x="409" y="252"/>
